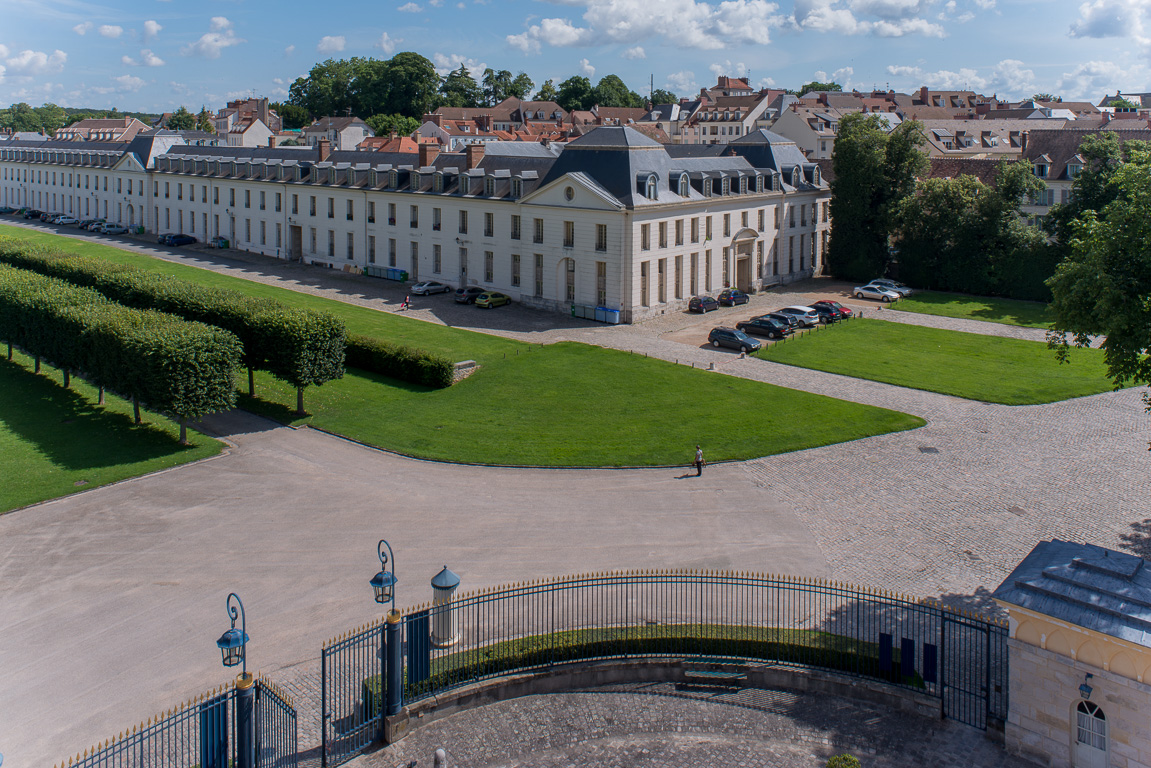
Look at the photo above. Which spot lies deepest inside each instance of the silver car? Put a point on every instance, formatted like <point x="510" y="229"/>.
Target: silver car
<point x="873" y="291"/>
<point x="807" y="316"/>
<point x="429" y="287"/>
<point x="892" y="285"/>
<point x="114" y="229"/>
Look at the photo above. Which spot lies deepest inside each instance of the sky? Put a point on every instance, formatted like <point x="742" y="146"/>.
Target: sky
<point x="155" y="55"/>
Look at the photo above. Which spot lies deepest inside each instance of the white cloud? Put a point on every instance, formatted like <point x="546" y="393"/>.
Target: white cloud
<point x="1009" y="78"/>
<point x="635" y="52"/>
<point x="289" y="50"/>
<point x="331" y="44"/>
<point x="128" y="83"/>
<point x="3" y="51"/>
<point x="82" y="29"/>
<point x="895" y="18"/>
<point x="387" y="43"/>
<point x="586" y="68"/>
<point x="1095" y="79"/>
<point x="179" y="88"/>
<point x="446" y="63"/>
<point x="278" y="80"/>
<point x="739" y="69"/>
<point x="151" y="29"/>
<point x="765" y="82"/>
<point x="220" y="36"/>
<point x="35" y="62"/>
<point x="1112" y="18"/>
<point x="409" y="8"/>
<point x="682" y="83"/>
<point x="841" y="76"/>
<point x="147" y="59"/>
<point x="435" y="3"/>
<point x="685" y="23"/>
<point x="111" y="30"/>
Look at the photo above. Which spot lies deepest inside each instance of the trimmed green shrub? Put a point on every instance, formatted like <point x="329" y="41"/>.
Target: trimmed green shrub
<point x="301" y="347"/>
<point x="843" y="761"/>
<point x="158" y="360"/>
<point x="399" y="362"/>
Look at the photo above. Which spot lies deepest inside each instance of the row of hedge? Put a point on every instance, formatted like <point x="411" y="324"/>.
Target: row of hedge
<point x="399" y="362"/>
<point x="299" y="346"/>
<point x="186" y="369"/>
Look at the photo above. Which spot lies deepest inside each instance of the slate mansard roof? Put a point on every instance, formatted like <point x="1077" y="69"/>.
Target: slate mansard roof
<point x="1095" y="588"/>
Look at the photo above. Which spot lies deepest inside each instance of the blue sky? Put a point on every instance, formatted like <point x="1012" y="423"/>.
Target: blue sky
<point x="154" y="55"/>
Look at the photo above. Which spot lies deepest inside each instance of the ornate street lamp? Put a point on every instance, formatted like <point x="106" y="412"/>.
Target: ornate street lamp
<point x="384" y="582"/>
<point x="233" y="642"/>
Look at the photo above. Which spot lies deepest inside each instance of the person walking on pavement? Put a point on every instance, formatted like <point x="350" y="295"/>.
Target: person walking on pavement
<point x="698" y="461"/>
<point x="407" y="303"/>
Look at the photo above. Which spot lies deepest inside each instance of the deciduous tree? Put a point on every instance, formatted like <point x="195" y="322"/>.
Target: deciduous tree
<point x="575" y="93"/>
<point x="182" y="120"/>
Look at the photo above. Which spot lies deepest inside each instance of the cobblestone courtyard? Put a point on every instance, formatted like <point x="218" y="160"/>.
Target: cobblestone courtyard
<point x="122" y="588"/>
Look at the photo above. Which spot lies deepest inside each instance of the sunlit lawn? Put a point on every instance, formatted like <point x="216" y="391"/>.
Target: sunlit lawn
<point x="1032" y="314"/>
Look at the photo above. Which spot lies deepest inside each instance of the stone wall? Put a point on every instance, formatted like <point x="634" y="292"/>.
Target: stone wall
<point x="1044" y="694"/>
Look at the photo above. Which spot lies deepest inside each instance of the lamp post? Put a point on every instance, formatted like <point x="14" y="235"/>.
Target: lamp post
<point x="384" y="586"/>
<point x="233" y="650"/>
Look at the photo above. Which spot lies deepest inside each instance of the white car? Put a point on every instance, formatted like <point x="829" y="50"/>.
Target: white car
<point x="873" y="291"/>
<point x="892" y="285"/>
<point x="66" y="220"/>
<point x="429" y="287"/>
<point x="807" y="316"/>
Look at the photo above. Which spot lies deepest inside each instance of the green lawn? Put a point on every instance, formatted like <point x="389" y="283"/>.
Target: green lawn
<point x="1032" y="314"/>
<point x="56" y="441"/>
<point x="973" y="366"/>
<point x="561" y="405"/>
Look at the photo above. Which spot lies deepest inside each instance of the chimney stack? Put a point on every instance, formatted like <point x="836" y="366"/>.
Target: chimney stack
<point x="325" y="148"/>
<point x="475" y="153"/>
<point x="428" y="153"/>
<point x="272" y="142"/>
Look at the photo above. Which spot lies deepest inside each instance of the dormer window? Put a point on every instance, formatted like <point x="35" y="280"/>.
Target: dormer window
<point x="743" y="185"/>
<point x="394" y="179"/>
<point x="1073" y="170"/>
<point x="1040" y="170"/>
<point x="652" y="188"/>
<point x="438" y="182"/>
<point x="684" y="186"/>
<point x="815" y="175"/>
<point x="707" y="187"/>
<point x="490" y="186"/>
<point x="417" y="179"/>
<point x="465" y="184"/>
<point x="517" y="188"/>
<point x="758" y="183"/>
<point x="725" y="186"/>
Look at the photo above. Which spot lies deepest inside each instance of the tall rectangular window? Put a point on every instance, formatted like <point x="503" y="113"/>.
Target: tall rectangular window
<point x="263" y="232"/>
<point x="679" y="231"/>
<point x="295" y="204"/>
<point x="743" y="218"/>
<point x="436" y="258"/>
<point x="391" y="252"/>
<point x="372" y="249"/>
<point x="538" y="234"/>
<point x="762" y="219"/>
<point x="248" y="230"/>
<point x="695" y="229"/>
<point x="371" y="211"/>
<point x="707" y="271"/>
<point x="727" y="225"/>
<point x="601" y="237"/>
<point x="312" y="206"/>
<point x="463" y="228"/>
<point x="538" y="273"/>
<point x="331" y="207"/>
<point x="489" y="225"/>
<point x="392" y="214"/>
<point x="679" y="276"/>
<point x="247" y="198"/>
<point x="331" y="244"/>
<point x="263" y="200"/>
<point x="645" y="237"/>
<point x="313" y="230"/>
<point x="601" y="283"/>
<point x="661" y="280"/>
<point x="351" y="246"/>
<point x="515" y="270"/>
<point x="569" y="234"/>
<point x="415" y="258"/>
<point x="349" y="215"/>
<point x="489" y="266"/>
<point x="790" y="254"/>
<point x="436" y="222"/>
<point x="643" y="294"/>
<point x="694" y="274"/>
<point x="707" y="228"/>
<point x="663" y="234"/>
<point x="515" y="227"/>
<point x="414" y="220"/>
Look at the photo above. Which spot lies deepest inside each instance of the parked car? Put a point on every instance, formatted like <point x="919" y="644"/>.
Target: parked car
<point x="702" y="304"/>
<point x="114" y="229"/>
<point x="492" y="299"/>
<point x="807" y="316"/>
<point x="178" y="240"/>
<point x="730" y="337"/>
<point x="468" y="294"/>
<point x="31" y="213"/>
<point x="429" y="287"/>
<point x="791" y="320"/>
<point x="827" y="315"/>
<point x="842" y="310"/>
<point x="870" y="291"/>
<point x="730" y="297"/>
<point x="892" y="285"/>
<point x="83" y="223"/>
<point x="7" y="209"/>
<point x="764" y="326"/>
<point x="165" y="238"/>
<point x="66" y="220"/>
<point x="97" y="225"/>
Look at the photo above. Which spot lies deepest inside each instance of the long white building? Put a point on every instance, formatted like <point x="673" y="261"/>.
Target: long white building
<point x="611" y="219"/>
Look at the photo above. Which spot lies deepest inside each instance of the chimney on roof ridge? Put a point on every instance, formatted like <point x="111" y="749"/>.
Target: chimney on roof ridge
<point x="428" y="153"/>
<point x="475" y="153"/>
<point x="325" y="148"/>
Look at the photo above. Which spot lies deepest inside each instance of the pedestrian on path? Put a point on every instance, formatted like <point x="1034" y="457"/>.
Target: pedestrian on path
<point x="407" y="303"/>
<point x="698" y="461"/>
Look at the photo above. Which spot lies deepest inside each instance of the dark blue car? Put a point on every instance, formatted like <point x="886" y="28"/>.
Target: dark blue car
<point x="733" y="296"/>
<point x="730" y="337"/>
<point x="702" y="304"/>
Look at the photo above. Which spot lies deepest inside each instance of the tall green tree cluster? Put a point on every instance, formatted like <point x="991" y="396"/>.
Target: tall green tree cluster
<point x="1102" y="287"/>
<point x="874" y="171"/>
<point x="406" y="84"/>
<point x="49" y="117"/>
<point x="578" y="93"/>
<point x="963" y="235"/>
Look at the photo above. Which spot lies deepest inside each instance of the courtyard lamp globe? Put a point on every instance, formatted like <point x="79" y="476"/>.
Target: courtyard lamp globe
<point x="384" y="582"/>
<point x="232" y="643"/>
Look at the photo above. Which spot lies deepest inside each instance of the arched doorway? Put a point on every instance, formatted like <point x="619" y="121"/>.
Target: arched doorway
<point x="742" y="250"/>
<point x="1090" y="736"/>
<point x="566" y="279"/>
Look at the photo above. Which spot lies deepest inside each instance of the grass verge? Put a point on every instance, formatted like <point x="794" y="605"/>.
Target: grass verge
<point x="973" y="366"/>
<point x="561" y="405"/>
<point x="57" y="441"/>
<point x="1030" y="314"/>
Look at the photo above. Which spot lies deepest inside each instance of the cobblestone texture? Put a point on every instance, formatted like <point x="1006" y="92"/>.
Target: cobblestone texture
<point x="668" y="725"/>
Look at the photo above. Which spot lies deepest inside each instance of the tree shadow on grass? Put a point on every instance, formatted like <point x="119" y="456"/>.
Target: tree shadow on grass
<point x="72" y="431"/>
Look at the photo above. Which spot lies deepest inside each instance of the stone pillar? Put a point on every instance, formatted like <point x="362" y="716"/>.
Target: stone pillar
<point x="445" y="624"/>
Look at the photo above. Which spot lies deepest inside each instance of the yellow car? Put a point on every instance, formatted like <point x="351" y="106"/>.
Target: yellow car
<point x="492" y="299"/>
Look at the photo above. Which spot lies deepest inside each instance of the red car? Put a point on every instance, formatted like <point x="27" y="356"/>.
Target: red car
<point x="842" y="310"/>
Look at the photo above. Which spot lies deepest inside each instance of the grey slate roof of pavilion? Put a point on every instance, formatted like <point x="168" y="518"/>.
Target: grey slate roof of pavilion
<point x="144" y="146"/>
<point x="1096" y="588"/>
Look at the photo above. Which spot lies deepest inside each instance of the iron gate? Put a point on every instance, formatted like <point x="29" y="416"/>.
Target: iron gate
<point x="351" y="693"/>
<point x="973" y="682"/>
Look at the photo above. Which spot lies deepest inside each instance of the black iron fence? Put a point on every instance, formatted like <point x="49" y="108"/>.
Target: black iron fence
<point x="201" y="733"/>
<point x="957" y="657"/>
